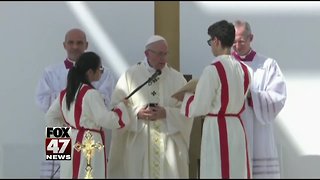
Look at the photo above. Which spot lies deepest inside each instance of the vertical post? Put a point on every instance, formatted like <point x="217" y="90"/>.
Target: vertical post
<point x="167" y="24"/>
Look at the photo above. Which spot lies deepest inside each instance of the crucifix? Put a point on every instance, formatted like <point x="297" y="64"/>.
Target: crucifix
<point x="88" y="148"/>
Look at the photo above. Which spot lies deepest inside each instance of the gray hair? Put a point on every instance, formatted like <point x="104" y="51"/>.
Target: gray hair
<point x="245" y="24"/>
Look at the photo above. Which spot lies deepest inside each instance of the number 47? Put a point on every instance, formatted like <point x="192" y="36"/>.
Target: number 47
<point x="54" y="145"/>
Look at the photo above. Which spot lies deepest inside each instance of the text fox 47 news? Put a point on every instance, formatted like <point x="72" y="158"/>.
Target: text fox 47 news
<point x="58" y="144"/>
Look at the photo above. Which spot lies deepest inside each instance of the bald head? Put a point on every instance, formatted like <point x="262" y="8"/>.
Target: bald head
<point x="77" y="32"/>
<point x="75" y="43"/>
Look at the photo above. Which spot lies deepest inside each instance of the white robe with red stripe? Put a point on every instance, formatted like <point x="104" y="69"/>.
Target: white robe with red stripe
<point x="268" y="91"/>
<point x="87" y="112"/>
<point x="51" y="83"/>
<point x="133" y="152"/>
<point x="222" y="88"/>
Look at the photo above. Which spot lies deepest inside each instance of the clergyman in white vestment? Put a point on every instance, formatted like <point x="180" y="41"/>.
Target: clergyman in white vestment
<point x="156" y="142"/>
<point x="268" y="96"/>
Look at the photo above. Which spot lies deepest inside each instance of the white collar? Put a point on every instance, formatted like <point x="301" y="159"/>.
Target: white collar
<point x="149" y="68"/>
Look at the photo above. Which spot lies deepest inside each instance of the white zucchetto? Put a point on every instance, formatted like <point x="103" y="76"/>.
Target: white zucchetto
<point x="154" y="38"/>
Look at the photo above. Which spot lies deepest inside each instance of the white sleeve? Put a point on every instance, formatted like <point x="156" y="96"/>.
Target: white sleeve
<point x="120" y="92"/>
<point x="178" y="122"/>
<point x="175" y="121"/>
<point x="201" y="103"/>
<point x="54" y="117"/>
<point x="270" y="95"/>
<point x="118" y="118"/>
<point x="44" y="93"/>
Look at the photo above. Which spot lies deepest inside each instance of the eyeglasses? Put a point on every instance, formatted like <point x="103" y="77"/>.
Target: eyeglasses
<point x="159" y="54"/>
<point x="209" y="41"/>
<point x="101" y="68"/>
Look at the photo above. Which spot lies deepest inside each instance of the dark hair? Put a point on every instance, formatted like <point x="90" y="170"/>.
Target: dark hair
<point x="77" y="75"/>
<point x="224" y="31"/>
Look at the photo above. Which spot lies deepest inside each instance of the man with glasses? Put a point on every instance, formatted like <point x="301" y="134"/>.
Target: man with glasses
<point x="219" y="96"/>
<point x="267" y="98"/>
<point x="54" y="79"/>
<point x="156" y="143"/>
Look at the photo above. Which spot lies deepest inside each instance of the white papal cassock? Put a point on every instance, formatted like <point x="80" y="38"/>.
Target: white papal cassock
<point x="87" y="112"/>
<point x="151" y="149"/>
<point x="51" y="83"/>
<point x="220" y="96"/>
<point x="268" y="96"/>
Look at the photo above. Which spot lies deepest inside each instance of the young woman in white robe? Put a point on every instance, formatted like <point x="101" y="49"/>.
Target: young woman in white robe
<point x="81" y="107"/>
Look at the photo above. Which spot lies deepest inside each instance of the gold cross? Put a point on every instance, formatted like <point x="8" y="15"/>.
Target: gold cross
<point x="88" y="148"/>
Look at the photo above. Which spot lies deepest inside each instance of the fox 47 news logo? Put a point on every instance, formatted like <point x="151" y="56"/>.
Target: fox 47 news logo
<point x="58" y="143"/>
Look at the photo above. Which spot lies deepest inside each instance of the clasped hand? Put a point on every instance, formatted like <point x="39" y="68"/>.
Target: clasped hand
<point x="152" y="113"/>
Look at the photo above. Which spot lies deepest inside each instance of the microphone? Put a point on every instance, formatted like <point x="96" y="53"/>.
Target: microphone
<point x="154" y="75"/>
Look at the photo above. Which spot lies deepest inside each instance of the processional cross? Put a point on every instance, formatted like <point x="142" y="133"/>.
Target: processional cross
<point x="88" y="148"/>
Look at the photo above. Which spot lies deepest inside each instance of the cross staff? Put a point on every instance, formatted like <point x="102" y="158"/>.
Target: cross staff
<point x="88" y="148"/>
